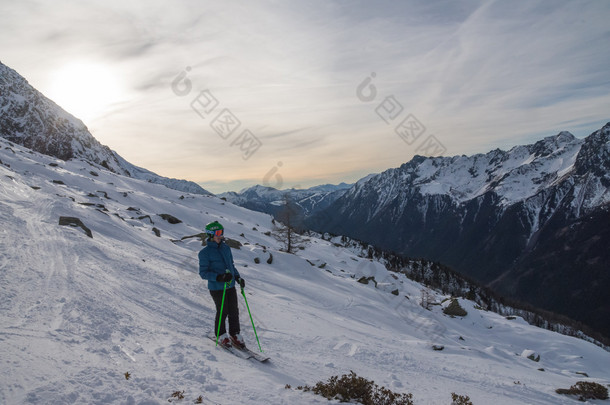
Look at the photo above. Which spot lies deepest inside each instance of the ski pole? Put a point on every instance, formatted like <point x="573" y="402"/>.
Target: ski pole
<point x="221" y="308"/>
<point x="251" y="320"/>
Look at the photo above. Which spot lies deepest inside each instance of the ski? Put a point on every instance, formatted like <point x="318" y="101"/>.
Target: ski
<point x="253" y="355"/>
<point x="243" y="353"/>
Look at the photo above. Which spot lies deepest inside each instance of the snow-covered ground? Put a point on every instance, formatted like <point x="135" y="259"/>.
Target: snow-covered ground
<point x="77" y="313"/>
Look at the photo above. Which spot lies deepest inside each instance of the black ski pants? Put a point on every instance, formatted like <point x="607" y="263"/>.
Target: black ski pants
<point x="230" y="309"/>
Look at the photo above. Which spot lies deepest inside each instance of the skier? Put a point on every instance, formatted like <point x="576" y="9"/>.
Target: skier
<point x="216" y="265"/>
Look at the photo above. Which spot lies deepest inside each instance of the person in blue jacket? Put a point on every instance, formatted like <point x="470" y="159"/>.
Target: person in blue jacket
<point x="217" y="267"/>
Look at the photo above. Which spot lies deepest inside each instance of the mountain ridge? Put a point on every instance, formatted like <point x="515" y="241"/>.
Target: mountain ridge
<point x="30" y="119"/>
<point x="272" y="201"/>
<point x="491" y="216"/>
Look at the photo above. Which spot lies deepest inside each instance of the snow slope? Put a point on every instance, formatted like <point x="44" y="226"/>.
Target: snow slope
<point x="76" y="313"/>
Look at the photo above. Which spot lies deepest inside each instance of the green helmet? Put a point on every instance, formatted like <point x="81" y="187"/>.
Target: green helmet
<point x="214" y="229"/>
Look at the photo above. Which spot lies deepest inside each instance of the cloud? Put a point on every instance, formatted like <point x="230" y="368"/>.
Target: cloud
<point x="498" y="71"/>
<point x="478" y="75"/>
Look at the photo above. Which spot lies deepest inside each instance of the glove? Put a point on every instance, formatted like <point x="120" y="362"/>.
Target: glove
<point x="224" y="278"/>
<point x="241" y="282"/>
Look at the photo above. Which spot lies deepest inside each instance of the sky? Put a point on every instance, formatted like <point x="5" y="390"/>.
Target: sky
<point x="302" y="93"/>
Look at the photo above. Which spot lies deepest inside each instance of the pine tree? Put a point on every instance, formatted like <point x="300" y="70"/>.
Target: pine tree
<point x="285" y="228"/>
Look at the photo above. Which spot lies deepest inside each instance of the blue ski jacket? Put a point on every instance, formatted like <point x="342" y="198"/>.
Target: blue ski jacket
<point x="215" y="259"/>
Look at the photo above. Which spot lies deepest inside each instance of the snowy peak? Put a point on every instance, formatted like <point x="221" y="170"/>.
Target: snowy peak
<point x="551" y="144"/>
<point x="329" y="188"/>
<point x="518" y="175"/>
<point x="513" y="176"/>
<point x="594" y="157"/>
<point x="30" y="119"/>
<point x="260" y="191"/>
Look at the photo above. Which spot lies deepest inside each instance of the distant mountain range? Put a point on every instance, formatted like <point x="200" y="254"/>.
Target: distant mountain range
<point x="533" y="222"/>
<point x="30" y="119"/>
<point x="271" y="201"/>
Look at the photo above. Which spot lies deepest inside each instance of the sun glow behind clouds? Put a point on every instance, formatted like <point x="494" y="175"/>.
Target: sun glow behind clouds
<point x="85" y="89"/>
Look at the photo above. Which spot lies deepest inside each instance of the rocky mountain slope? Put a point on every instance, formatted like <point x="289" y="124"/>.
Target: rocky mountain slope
<point x="30" y="119"/>
<point x="532" y="222"/>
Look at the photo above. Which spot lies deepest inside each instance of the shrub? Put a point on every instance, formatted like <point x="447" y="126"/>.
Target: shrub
<point x="177" y="395"/>
<point x="454" y="309"/>
<point x="350" y="388"/>
<point x="586" y="390"/>
<point x="460" y="399"/>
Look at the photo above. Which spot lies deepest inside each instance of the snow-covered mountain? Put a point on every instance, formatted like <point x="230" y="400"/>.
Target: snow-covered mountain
<point x="533" y="222"/>
<point x="118" y="295"/>
<point x="271" y="200"/>
<point x="30" y="119"/>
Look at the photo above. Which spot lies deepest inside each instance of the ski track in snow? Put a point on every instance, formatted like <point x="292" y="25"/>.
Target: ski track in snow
<point x="77" y="313"/>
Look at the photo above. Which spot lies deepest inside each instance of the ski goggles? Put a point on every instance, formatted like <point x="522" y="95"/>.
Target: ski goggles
<point x="218" y="232"/>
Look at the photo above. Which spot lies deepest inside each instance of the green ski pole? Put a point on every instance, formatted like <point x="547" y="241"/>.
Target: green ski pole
<point x="251" y="320"/>
<point x="221" y="308"/>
